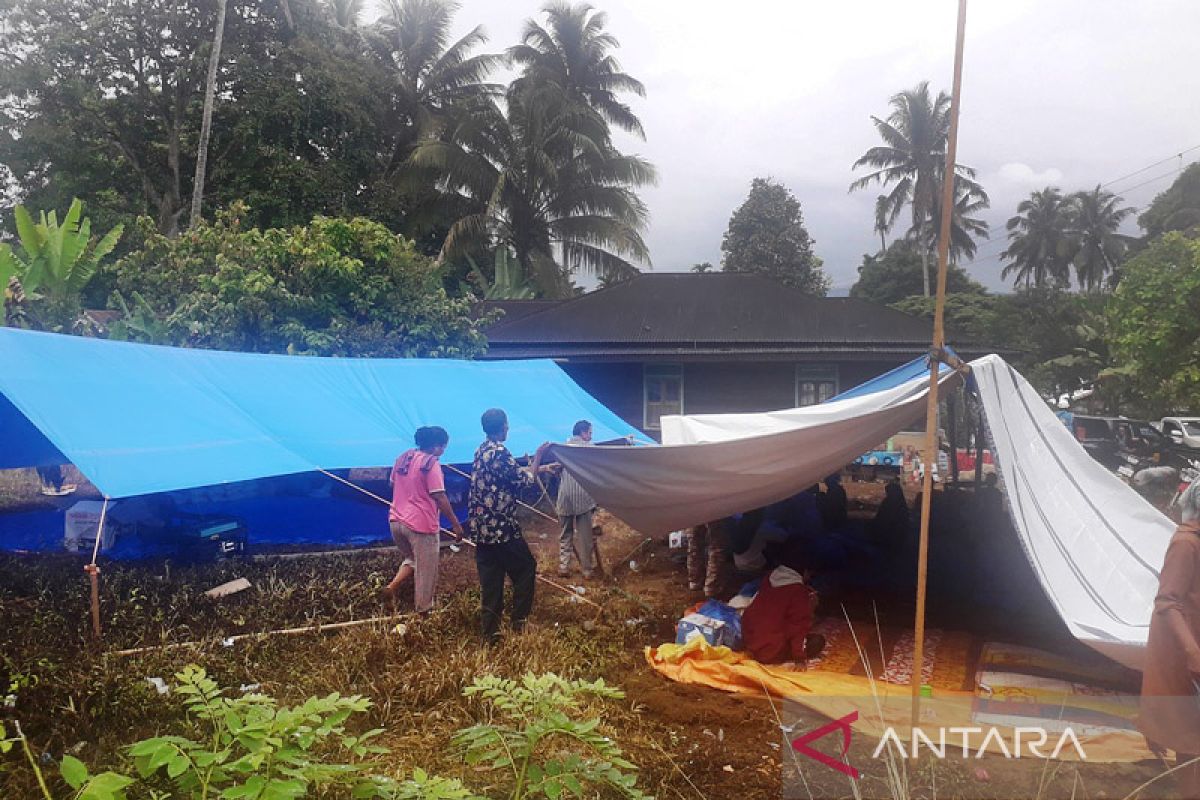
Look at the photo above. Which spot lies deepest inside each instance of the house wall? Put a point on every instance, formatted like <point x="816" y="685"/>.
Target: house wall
<point x="711" y="387"/>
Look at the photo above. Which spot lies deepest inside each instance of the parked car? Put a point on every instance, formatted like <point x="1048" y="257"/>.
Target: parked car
<point x="1182" y="431"/>
<point x="1122" y="445"/>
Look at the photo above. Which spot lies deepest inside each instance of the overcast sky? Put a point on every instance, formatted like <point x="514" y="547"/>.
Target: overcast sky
<point x="1064" y="92"/>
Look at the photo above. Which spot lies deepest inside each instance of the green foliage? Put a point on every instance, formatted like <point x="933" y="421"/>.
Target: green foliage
<point x="766" y="234"/>
<point x="55" y="262"/>
<point x="1154" y="318"/>
<point x="531" y="734"/>
<point x="333" y="287"/>
<point x="970" y="317"/>
<point x="421" y="786"/>
<point x="1096" y="247"/>
<point x="1040" y="250"/>
<point x="508" y="282"/>
<point x="912" y="161"/>
<point x="895" y="274"/>
<point x="250" y="747"/>
<point x="1176" y="209"/>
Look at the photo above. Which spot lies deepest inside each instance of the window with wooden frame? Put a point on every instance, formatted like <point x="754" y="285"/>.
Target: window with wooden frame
<point x="815" y="383"/>
<point x="662" y="393"/>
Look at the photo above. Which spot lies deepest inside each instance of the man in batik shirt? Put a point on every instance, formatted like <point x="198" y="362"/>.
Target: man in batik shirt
<point x="497" y="483"/>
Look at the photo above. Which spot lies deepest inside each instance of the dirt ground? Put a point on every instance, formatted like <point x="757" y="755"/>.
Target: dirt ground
<point x="689" y="742"/>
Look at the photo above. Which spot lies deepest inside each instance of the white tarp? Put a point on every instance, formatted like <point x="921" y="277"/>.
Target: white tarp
<point x="1094" y="544"/>
<point x="727" y="463"/>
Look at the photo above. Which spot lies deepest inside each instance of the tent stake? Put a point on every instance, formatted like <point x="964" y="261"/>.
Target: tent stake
<point x="939" y="341"/>
<point x="93" y="572"/>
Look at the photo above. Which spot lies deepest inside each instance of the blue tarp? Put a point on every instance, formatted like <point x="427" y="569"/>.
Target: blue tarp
<point x="902" y="374"/>
<point x="137" y="419"/>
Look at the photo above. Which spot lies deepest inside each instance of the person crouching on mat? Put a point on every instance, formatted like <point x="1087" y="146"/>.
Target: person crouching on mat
<point x="418" y="495"/>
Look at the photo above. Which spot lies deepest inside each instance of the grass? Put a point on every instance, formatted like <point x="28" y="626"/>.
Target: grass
<point x="689" y="742"/>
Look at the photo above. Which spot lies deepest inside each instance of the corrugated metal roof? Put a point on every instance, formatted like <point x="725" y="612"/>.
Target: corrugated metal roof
<point x="712" y="308"/>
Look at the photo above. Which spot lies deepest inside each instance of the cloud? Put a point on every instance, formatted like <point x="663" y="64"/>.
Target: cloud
<point x="1025" y="176"/>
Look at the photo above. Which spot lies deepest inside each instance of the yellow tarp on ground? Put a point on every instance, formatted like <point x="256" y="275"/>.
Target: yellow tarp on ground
<point x="879" y="705"/>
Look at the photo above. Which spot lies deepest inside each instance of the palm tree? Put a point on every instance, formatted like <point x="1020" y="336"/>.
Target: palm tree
<point x="964" y="228"/>
<point x="572" y="52"/>
<point x="542" y="173"/>
<point x="210" y="91"/>
<point x="883" y="220"/>
<point x="1039" y="249"/>
<point x="346" y="13"/>
<point x="912" y="160"/>
<point x="1096" y="246"/>
<point x="434" y="77"/>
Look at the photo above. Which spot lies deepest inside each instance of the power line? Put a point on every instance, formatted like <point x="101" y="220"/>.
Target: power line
<point x="1148" y="167"/>
<point x="992" y="243"/>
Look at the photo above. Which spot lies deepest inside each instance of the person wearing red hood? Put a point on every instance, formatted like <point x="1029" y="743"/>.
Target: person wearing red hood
<point x="775" y="627"/>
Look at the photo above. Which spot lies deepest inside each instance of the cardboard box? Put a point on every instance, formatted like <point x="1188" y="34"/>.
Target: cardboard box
<point x="81" y="523"/>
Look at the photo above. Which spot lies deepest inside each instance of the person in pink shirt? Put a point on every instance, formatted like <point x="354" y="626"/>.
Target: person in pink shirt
<point x="418" y="499"/>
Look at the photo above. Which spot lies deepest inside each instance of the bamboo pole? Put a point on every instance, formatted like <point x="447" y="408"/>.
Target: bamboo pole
<point x="939" y="341"/>
<point x="318" y="627"/>
<point x="537" y="511"/>
<point x="577" y="597"/>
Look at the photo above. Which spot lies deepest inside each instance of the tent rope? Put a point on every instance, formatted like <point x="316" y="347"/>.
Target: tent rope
<point x="537" y="511"/>
<point x="564" y="589"/>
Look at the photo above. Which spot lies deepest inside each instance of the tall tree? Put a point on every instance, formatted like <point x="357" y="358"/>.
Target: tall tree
<point x="1096" y="245"/>
<point x="1039" y="243"/>
<point x="912" y="160"/>
<point x="434" y="76"/>
<point x="1176" y="209"/>
<point x="94" y="102"/>
<point x="572" y="51"/>
<point x="895" y="274"/>
<point x="347" y="13"/>
<point x="210" y="93"/>
<point x="766" y="234"/>
<point x="1154" y="323"/>
<point x="965" y="228"/>
<point x="542" y="175"/>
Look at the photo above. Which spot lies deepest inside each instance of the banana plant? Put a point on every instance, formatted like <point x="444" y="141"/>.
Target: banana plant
<point x="509" y="282"/>
<point x="56" y="260"/>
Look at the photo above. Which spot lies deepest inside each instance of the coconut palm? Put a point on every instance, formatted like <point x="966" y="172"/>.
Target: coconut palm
<point x="964" y="227"/>
<point x="572" y="51"/>
<point x="912" y="160"/>
<point x="435" y="78"/>
<point x="542" y="174"/>
<point x="210" y="90"/>
<point x="346" y="13"/>
<point x="1039" y="249"/>
<point x="1096" y="246"/>
<point x="883" y="220"/>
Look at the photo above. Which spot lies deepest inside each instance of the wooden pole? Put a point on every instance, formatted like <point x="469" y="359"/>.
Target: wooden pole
<point x="952" y="432"/>
<point x="939" y="341"/>
<point x="979" y="440"/>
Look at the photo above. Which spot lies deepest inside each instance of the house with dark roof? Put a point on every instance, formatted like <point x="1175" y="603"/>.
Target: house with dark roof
<point x="688" y="343"/>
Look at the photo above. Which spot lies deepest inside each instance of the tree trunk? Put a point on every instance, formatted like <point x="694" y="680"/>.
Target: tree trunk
<point x="925" y="256"/>
<point x="210" y="93"/>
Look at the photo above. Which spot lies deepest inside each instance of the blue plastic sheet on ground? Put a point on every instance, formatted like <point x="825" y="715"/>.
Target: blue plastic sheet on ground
<point x="138" y="419"/>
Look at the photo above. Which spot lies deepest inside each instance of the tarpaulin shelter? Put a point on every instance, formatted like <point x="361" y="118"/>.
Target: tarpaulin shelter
<point x="1094" y="544"/>
<point x="137" y="419"/>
